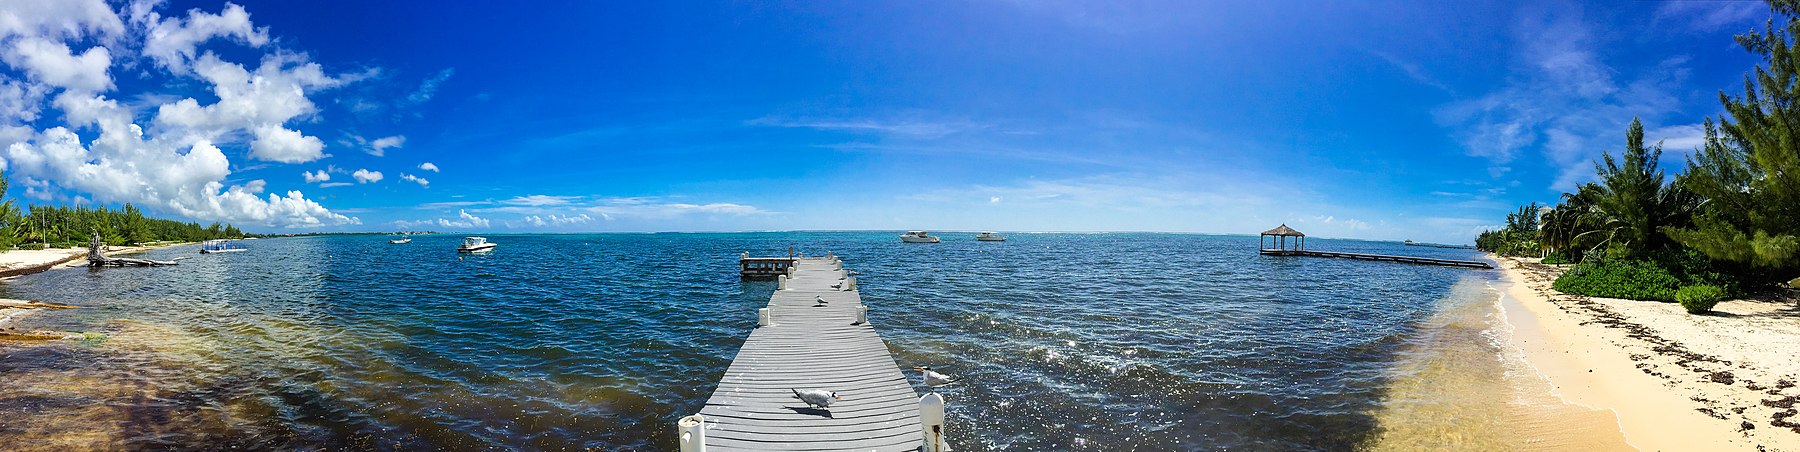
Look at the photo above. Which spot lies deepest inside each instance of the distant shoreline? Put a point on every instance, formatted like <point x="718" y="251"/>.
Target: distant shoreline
<point x="1675" y="381"/>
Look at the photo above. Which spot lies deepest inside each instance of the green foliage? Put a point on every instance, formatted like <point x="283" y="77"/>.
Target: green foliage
<point x="1631" y="204"/>
<point x="38" y="227"/>
<point x="1518" y="238"/>
<point x="1557" y="259"/>
<point x="1633" y="279"/>
<point x="1698" y="299"/>
<point x="1656" y="276"/>
<point x="1748" y="170"/>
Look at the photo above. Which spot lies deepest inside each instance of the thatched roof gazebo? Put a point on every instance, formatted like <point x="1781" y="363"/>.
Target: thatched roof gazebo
<point x="1277" y="240"/>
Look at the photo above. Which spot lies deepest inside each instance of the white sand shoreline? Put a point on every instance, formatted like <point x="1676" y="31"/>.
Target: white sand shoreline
<point x="1674" y="381"/>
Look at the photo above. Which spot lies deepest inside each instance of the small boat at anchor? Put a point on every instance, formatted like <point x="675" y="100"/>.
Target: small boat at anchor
<point x="475" y="245"/>
<point x="401" y="241"/>
<point x="220" y="246"/>
<point x="918" y="237"/>
<point x="989" y="237"/>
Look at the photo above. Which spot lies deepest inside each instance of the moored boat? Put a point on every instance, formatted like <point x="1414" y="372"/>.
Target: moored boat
<point x="401" y="241"/>
<point x="989" y="237"/>
<point x="475" y="245"/>
<point x="220" y="246"/>
<point x="918" y="237"/>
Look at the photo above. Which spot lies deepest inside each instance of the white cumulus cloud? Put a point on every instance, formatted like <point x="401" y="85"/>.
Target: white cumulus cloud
<point x="364" y="176"/>
<point x="96" y="150"/>
<point x="557" y="220"/>
<point x="415" y="179"/>
<point x="53" y="63"/>
<point x="172" y="42"/>
<point x="428" y="166"/>
<point x="316" y="176"/>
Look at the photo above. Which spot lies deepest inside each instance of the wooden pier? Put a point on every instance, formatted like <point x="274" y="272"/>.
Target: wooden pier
<point x="1285" y="241"/>
<point x="1380" y="257"/>
<point x="802" y="344"/>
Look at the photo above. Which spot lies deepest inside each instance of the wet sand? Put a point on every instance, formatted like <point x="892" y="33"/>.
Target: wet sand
<point x="1462" y="385"/>
<point x="1673" y="381"/>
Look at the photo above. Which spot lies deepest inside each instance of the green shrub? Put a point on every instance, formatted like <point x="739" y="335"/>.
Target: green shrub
<point x="32" y="246"/>
<point x="1699" y="298"/>
<point x="1620" y="278"/>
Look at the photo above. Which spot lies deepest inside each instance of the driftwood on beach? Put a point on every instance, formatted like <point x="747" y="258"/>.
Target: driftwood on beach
<point x="98" y="258"/>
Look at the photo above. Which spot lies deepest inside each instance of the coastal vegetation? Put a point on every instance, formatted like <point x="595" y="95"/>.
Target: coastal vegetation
<point x="1729" y="223"/>
<point x="39" y="227"/>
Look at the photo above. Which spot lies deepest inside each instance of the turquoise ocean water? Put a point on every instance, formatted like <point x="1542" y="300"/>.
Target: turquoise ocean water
<point x="1068" y="341"/>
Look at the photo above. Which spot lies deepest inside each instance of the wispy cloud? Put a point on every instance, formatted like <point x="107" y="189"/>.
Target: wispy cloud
<point x="429" y="88"/>
<point x="912" y="128"/>
<point x="1713" y="15"/>
<point x="540" y="200"/>
<point x="1413" y="70"/>
<point x="1561" y="101"/>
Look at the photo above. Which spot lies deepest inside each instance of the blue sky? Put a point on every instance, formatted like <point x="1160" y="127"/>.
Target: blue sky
<point x="1415" y="120"/>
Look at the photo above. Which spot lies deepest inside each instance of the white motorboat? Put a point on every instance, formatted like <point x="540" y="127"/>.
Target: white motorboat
<point x="989" y="237"/>
<point x="401" y="241"/>
<point x="220" y="246"/>
<point x="918" y="237"/>
<point x="475" y="245"/>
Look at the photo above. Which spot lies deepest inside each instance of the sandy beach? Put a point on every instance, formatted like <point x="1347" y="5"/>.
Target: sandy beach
<point x="1673" y="381"/>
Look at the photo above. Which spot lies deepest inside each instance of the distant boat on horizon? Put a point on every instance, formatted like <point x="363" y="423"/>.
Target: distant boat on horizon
<point x="220" y="246"/>
<point x="401" y="241"/>
<point x="987" y="236"/>
<point x="918" y="237"/>
<point x="475" y="245"/>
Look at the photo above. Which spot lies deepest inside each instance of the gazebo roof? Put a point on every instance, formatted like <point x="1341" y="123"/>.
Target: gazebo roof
<point x="1284" y="230"/>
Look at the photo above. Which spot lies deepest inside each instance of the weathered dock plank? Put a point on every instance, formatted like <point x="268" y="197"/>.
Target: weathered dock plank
<point x="813" y="345"/>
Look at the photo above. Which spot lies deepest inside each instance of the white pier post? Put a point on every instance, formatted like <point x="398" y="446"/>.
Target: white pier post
<point x="693" y="433"/>
<point x="763" y="317"/>
<point x="781" y="282"/>
<point x="931" y="419"/>
<point x="850" y="283"/>
<point x="862" y="315"/>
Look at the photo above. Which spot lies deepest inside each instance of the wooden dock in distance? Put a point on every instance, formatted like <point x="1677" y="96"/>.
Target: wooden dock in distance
<point x="1285" y="241"/>
<point x="799" y="344"/>
<point x="1380" y="257"/>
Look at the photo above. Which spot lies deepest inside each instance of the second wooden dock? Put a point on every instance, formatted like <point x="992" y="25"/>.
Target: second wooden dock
<point x="1380" y="257"/>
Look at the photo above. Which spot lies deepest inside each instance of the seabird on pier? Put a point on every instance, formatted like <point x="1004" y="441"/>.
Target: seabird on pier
<point x="817" y="397"/>
<point x="820" y="300"/>
<point x="934" y="379"/>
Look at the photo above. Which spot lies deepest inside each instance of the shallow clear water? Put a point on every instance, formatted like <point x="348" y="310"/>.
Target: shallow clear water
<point x="1068" y="341"/>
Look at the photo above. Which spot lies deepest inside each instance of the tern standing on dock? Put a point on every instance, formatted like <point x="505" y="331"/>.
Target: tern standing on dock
<point x="817" y="397"/>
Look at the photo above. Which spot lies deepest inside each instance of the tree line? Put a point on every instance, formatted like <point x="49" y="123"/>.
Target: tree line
<point x="1732" y="217"/>
<point x="38" y="227"/>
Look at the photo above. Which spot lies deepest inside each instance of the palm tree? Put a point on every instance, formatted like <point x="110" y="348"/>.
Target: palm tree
<point x="1631" y="202"/>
